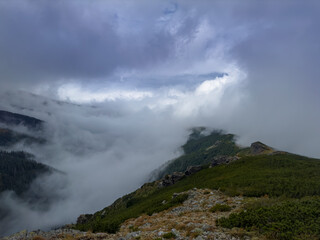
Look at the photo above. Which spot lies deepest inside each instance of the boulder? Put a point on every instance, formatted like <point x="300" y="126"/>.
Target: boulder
<point x="192" y="169"/>
<point x="171" y="179"/>
<point x="84" y="218"/>
<point x="257" y="148"/>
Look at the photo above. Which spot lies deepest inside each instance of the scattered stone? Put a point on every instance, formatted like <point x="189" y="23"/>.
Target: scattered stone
<point x="199" y="238"/>
<point x="223" y="160"/>
<point x="133" y="235"/>
<point x="206" y="227"/>
<point x="191" y="217"/>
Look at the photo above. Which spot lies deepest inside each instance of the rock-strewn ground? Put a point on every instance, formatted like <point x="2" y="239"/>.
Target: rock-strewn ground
<point x="191" y="220"/>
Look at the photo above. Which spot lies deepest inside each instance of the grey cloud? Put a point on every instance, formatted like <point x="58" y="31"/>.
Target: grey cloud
<point x="55" y="41"/>
<point x="280" y="59"/>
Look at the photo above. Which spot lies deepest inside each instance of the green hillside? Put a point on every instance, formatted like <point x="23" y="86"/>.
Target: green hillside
<point x="276" y="175"/>
<point x="200" y="149"/>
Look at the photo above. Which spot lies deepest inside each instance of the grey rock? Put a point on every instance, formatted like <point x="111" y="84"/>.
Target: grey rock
<point x="197" y="230"/>
<point x="206" y="227"/>
<point x="175" y="232"/>
<point x="84" y="218"/>
<point x="199" y="238"/>
<point x="175" y="195"/>
<point x="171" y="179"/>
<point x="259" y="148"/>
<point x="218" y="160"/>
<point x="133" y="235"/>
<point x="192" y="169"/>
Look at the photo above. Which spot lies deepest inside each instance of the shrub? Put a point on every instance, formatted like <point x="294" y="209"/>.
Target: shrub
<point x="180" y="198"/>
<point x="220" y="208"/>
<point x="169" y="235"/>
<point x="285" y="220"/>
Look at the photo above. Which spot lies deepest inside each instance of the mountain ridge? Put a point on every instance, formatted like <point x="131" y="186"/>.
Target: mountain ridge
<point x="16" y="119"/>
<point x="255" y="177"/>
<point x="268" y="172"/>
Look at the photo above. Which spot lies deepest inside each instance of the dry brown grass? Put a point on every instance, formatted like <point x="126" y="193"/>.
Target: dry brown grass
<point x="38" y="238"/>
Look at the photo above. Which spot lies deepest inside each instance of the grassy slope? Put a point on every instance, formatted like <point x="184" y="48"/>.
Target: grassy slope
<point x="273" y="175"/>
<point x="279" y="219"/>
<point x="200" y="150"/>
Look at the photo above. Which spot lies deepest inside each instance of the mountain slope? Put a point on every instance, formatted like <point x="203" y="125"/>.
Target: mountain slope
<point x="268" y="173"/>
<point x="200" y="149"/>
<point x="18" y="170"/>
<point x="9" y="138"/>
<point x="14" y="119"/>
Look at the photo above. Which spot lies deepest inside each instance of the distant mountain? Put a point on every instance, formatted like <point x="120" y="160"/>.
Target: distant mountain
<point x="18" y="170"/>
<point x="14" y="119"/>
<point x="9" y="137"/>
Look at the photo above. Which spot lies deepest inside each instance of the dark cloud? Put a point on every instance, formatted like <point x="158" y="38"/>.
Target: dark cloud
<point x="55" y="41"/>
<point x="47" y="40"/>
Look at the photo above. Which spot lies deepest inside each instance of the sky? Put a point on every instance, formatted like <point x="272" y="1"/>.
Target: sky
<point x="119" y="84"/>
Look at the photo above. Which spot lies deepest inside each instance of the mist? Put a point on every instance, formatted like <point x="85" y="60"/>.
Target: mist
<point x="120" y="85"/>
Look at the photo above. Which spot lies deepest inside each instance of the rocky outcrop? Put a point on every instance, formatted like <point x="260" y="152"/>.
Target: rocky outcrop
<point x="223" y="160"/>
<point x="192" y="169"/>
<point x="171" y="179"/>
<point x="84" y="218"/>
<point x="257" y="148"/>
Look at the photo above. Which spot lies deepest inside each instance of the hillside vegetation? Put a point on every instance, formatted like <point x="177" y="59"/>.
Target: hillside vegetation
<point x="14" y="119"/>
<point x="9" y="138"/>
<point x="200" y="149"/>
<point x="18" y="170"/>
<point x="275" y="175"/>
<point x="279" y="219"/>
